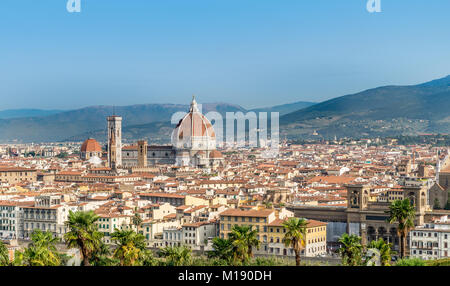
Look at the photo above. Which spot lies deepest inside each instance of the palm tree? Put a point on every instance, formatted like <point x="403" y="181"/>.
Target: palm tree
<point x="4" y="255"/>
<point x="147" y="258"/>
<point x="137" y="221"/>
<point x="403" y="213"/>
<point x="295" y="236"/>
<point x="350" y="250"/>
<point x="42" y="250"/>
<point x="129" y="247"/>
<point x="243" y="240"/>
<point x="83" y="234"/>
<point x="101" y="256"/>
<point x="222" y="249"/>
<point x="384" y="250"/>
<point x="176" y="256"/>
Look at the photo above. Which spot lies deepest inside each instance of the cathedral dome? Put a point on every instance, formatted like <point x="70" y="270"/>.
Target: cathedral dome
<point x="91" y="145"/>
<point x="215" y="154"/>
<point x="194" y="131"/>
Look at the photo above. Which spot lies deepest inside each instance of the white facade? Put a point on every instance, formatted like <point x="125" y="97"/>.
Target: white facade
<point x="431" y="241"/>
<point x="197" y="235"/>
<point x="9" y="221"/>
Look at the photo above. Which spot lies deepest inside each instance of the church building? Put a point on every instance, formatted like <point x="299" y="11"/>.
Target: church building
<point x="193" y="144"/>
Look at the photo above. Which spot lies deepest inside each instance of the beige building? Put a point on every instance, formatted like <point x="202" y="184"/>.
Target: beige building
<point x="15" y="175"/>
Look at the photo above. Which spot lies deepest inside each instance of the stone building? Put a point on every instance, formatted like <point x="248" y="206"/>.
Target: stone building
<point x="364" y="217"/>
<point x="439" y="192"/>
<point x="16" y="175"/>
<point x="193" y="144"/>
<point x="90" y="149"/>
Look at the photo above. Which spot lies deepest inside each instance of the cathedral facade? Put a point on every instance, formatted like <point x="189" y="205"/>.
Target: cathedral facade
<point x="193" y="144"/>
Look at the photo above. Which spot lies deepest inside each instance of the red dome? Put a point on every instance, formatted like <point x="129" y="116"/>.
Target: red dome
<point x="91" y="145"/>
<point x="195" y="124"/>
<point x="215" y="154"/>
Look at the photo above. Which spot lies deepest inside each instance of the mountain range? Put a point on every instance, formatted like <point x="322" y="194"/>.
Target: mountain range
<point x="18" y="113"/>
<point x="382" y="111"/>
<point x="143" y="120"/>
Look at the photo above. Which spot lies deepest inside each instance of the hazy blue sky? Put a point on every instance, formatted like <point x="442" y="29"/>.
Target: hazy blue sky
<point x="249" y="52"/>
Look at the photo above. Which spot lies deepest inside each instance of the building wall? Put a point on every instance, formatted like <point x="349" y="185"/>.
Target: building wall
<point x="17" y="175"/>
<point x="429" y="244"/>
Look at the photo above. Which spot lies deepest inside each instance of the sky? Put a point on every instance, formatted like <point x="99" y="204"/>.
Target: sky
<point x="253" y="53"/>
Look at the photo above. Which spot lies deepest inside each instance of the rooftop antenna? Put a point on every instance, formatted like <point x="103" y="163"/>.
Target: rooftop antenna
<point x="114" y="110"/>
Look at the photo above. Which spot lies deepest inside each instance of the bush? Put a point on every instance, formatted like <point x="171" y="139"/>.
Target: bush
<point x="440" y="262"/>
<point x="271" y="261"/>
<point x="411" y="262"/>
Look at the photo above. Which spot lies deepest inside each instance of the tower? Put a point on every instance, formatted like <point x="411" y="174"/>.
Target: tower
<point x="142" y="153"/>
<point x="114" y="141"/>
<point x="358" y="196"/>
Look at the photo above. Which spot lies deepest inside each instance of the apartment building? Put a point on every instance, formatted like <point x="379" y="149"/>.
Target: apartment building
<point x="315" y="239"/>
<point x="154" y="231"/>
<point x="107" y="223"/>
<point x="269" y="224"/>
<point x="157" y="211"/>
<point x="15" y="175"/>
<point x="47" y="213"/>
<point x="431" y="240"/>
<point x="197" y="235"/>
<point x="9" y="220"/>
<point x="172" y="236"/>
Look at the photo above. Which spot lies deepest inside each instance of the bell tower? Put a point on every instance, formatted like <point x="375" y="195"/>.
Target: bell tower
<point x="114" y="141"/>
<point x="357" y="196"/>
<point x="142" y="153"/>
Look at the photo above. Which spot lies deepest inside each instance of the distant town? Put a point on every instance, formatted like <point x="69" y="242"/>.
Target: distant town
<point x="354" y="202"/>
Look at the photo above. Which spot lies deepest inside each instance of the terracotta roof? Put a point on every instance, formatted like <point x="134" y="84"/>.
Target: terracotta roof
<point x="310" y="223"/>
<point x="91" y="145"/>
<point x="162" y="195"/>
<point x="249" y="213"/>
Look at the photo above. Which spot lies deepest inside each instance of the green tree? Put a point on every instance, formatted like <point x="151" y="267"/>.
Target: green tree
<point x="350" y="250"/>
<point x="83" y="234"/>
<point x="243" y="239"/>
<point x="177" y="255"/>
<point x="295" y="236"/>
<point x="101" y="256"/>
<point x="222" y="249"/>
<point x="130" y="247"/>
<point x="137" y="221"/>
<point x="4" y="255"/>
<point x="385" y="250"/>
<point x="147" y="258"/>
<point x="62" y="155"/>
<point x="42" y="250"/>
<point x="410" y="262"/>
<point x="403" y="213"/>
